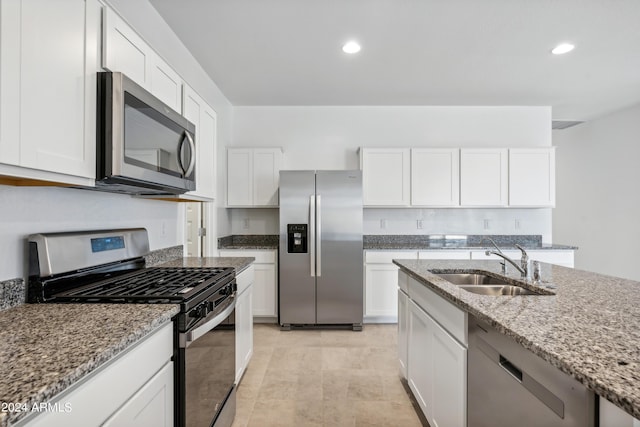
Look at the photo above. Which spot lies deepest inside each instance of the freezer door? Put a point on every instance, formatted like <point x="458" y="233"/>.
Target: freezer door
<point x="339" y="288"/>
<point x="297" y="291"/>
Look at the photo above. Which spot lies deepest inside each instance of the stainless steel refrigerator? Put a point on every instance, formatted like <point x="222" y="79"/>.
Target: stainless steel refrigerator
<point x="321" y="248"/>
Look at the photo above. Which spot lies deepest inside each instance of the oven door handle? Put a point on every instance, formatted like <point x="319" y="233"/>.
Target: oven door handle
<point x="211" y="321"/>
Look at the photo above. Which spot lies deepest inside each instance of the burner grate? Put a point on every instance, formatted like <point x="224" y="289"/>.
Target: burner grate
<point x="158" y="282"/>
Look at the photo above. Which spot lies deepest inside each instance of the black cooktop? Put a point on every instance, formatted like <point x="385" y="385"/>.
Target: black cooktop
<point x="150" y="285"/>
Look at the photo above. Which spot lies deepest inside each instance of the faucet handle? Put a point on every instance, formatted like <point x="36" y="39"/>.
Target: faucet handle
<point x="525" y="256"/>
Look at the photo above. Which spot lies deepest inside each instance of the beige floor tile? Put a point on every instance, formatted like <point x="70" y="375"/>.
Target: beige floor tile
<point x="330" y="378"/>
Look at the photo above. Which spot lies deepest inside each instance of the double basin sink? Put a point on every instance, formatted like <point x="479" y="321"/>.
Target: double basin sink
<point x="483" y="284"/>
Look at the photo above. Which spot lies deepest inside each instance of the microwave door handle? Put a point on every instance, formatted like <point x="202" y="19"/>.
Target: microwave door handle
<point x="180" y="144"/>
<point x="192" y="163"/>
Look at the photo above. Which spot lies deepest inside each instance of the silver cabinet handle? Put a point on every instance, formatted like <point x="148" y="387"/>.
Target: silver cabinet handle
<point x="312" y="235"/>
<point x="319" y="235"/>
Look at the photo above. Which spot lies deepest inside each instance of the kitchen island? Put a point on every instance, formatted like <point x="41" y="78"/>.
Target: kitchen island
<point x="589" y="328"/>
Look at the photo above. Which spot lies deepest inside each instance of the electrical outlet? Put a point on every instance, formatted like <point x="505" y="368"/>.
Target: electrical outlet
<point x="486" y="224"/>
<point x="245" y="223"/>
<point x="419" y="224"/>
<point x="383" y="223"/>
<point x="516" y="224"/>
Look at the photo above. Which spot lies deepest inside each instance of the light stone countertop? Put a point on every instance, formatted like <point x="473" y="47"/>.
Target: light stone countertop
<point x="590" y="328"/>
<point x="239" y="263"/>
<point x="45" y="348"/>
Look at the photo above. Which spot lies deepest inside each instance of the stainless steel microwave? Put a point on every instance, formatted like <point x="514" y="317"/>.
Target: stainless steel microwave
<point x="144" y="147"/>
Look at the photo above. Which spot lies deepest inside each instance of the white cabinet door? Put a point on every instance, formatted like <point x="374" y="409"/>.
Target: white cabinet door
<point x="253" y="175"/>
<point x="386" y="176"/>
<point x="166" y="84"/>
<point x="449" y="373"/>
<point x="435" y="177"/>
<point x="532" y="180"/>
<point x="239" y="177"/>
<point x="420" y="358"/>
<point x="381" y="292"/>
<point x="151" y="406"/>
<point x="483" y="176"/>
<point x="125" y="51"/>
<point x="265" y="291"/>
<point x="437" y="371"/>
<point x="50" y="57"/>
<point x="204" y="117"/>
<point x="266" y="176"/>
<point x="403" y="331"/>
<point x="244" y="331"/>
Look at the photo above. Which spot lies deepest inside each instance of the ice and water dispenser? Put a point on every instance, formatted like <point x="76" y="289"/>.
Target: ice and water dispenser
<point x="297" y="238"/>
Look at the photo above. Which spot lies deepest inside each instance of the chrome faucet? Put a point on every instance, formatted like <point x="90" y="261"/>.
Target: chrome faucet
<point x="523" y="268"/>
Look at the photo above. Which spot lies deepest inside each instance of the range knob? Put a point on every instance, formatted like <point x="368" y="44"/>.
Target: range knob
<point x="200" y="311"/>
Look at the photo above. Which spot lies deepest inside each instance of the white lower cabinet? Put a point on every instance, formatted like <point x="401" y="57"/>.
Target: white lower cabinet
<point x="612" y="416"/>
<point x="381" y="285"/>
<point x="244" y="321"/>
<point x="265" y="286"/>
<point x="403" y="331"/>
<point x="557" y="257"/>
<point x="135" y="389"/>
<point x="436" y="360"/>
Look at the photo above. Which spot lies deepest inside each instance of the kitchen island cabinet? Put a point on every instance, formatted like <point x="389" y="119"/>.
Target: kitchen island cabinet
<point x="571" y="329"/>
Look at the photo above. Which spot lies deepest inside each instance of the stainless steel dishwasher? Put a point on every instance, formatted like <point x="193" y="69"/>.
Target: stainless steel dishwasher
<point x="510" y="386"/>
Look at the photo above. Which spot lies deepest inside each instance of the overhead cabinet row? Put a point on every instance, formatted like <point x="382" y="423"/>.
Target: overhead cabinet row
<point x="48" y="125"/>
<point x="451" y="177"/>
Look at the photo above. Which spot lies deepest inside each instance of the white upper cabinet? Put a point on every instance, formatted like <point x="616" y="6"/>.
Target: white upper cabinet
<point x="50" y="54"/>
<point x="253" y="176"/>
<point x="484" y="177"/>
<point x="204" y="117"/>
<point x="386" y="176"/>
<point x="435" y="177"/>
<point x="125" y="51"/>
<point x="532" y="180"/>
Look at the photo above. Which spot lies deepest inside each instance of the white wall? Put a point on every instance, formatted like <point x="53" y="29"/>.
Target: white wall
<point x="328" y="138"/>
<point x="28" y="210"/>
<point x="598" y="201"/>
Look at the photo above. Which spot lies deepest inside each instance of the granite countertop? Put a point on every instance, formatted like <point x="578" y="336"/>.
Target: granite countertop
<point x="590" y="328"/>
<point x="239" y="263"/>
<point x="45" y="348"/>
<point x="469" y="242"/>
<point x="250" y="241"/>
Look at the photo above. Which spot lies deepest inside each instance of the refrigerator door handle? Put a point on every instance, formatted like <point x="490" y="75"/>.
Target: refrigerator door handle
<point x="312" y="235"/>
<point x="319" y="235"/>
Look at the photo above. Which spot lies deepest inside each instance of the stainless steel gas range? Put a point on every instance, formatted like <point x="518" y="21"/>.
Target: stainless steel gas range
<point x="108" y="266"/>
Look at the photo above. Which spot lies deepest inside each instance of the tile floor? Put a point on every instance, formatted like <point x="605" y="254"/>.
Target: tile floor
<point x="324" y="378"/>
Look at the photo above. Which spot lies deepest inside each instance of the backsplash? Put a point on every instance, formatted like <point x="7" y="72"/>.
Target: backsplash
<point x="495" y="221"/>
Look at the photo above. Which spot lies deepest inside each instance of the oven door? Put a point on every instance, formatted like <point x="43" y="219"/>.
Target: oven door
<point x="207" y="370"/>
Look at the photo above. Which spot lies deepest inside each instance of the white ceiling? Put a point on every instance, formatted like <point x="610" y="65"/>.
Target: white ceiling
<point x="417" y="52"/>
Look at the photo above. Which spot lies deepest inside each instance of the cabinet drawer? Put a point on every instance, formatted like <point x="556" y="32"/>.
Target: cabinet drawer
<point x="444" y="254"/>
<point x="403" y="281"/>
<point x="267" y="256"/>
<point x="384" y="257"/>
<point x="451" y="318"/>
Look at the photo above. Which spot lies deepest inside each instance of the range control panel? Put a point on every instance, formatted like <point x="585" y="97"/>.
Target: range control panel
<point x="297" y="238"/>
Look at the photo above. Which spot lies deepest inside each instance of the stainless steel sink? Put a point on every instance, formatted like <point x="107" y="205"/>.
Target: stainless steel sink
<point x="497" y="290"/>
<point x="483" y="284"/>
<point x="472" y="279"/>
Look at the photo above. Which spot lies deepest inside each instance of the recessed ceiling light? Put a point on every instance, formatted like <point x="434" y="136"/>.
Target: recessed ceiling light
<point x="562" y="48"/>
<point x="351" y="47"/>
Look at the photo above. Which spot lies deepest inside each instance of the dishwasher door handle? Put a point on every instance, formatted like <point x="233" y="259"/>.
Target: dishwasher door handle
<point x="510" y="368"/>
